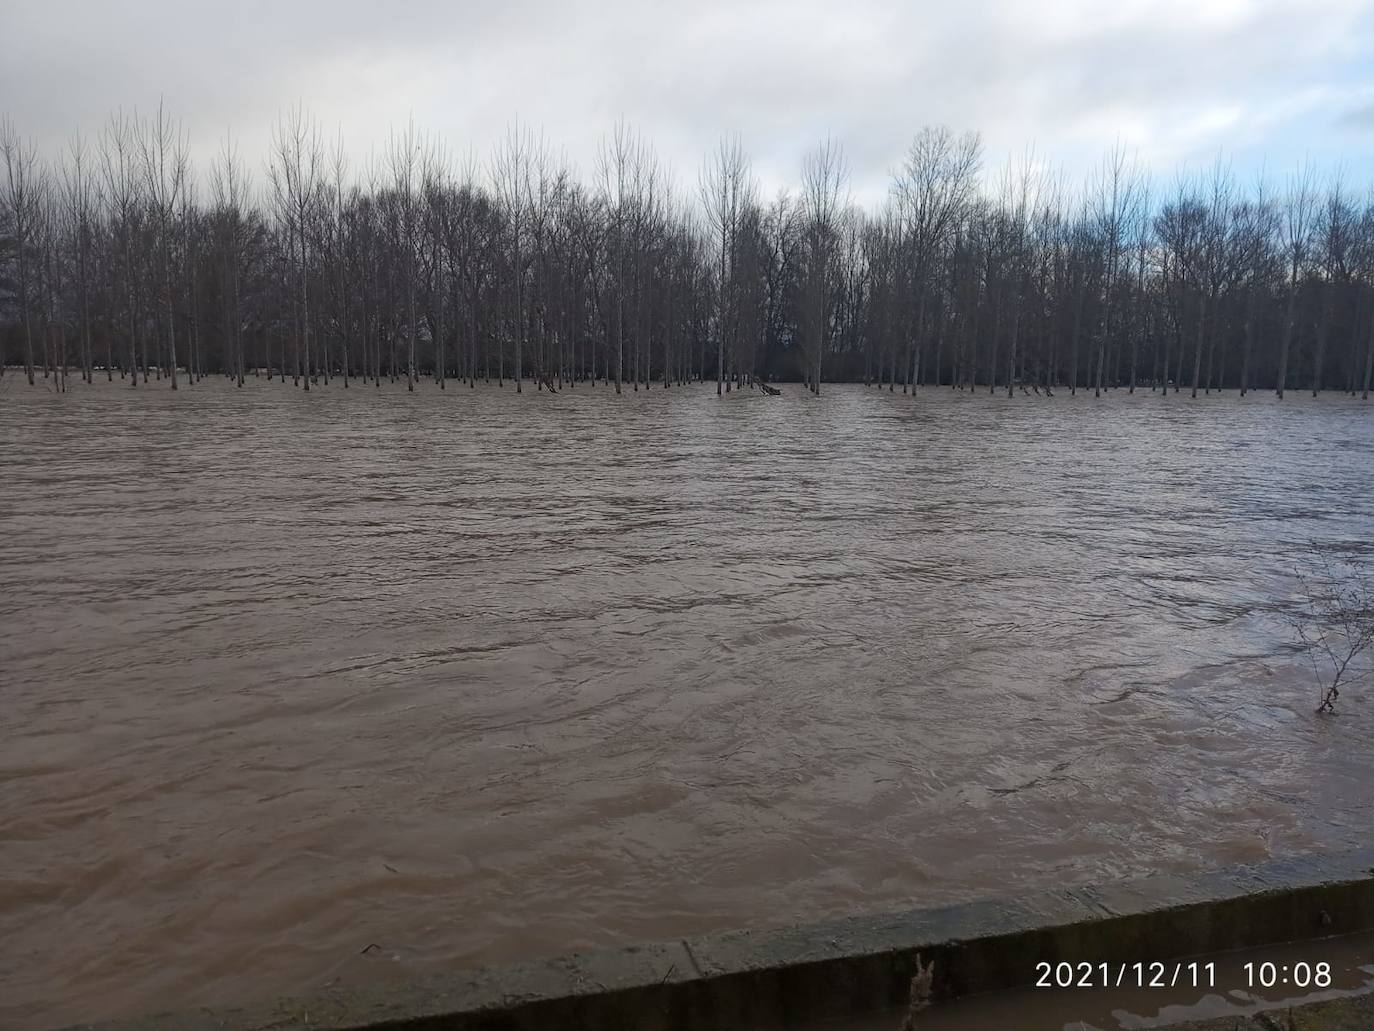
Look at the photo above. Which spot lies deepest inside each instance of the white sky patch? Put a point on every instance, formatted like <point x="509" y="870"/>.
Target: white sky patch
<point x="1213" y="120"/>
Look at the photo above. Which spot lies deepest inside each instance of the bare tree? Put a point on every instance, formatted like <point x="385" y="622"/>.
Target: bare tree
<point x="1334" y="235"/>
<point x="24" y="189"/>
<point x="123" y="203"/>
<point x="82" y="199"/>
<point x="1334" y="622"/>
<point x="1181" y="227"/>
<point x="337" y="226"/>
<point x="163" y="148"/>
<point x="437" y="191"/>
<point x="1115" y="194"/>
<point x="825" y="175"/>
<point x="727" y="189"/>
<point x="409" y="268"/>
<point x="51" y="253"/>
<point x="1297" y="228"/>
<point x="1364" y="252"/>
<point x="1257" y="227"/>
<point x="511" y="172"/>
<point x="1143" y="238"/>
<point x="620" y="166"/>
<point x="1020" y="188"/>
<point x="545" y="195"/>
<point x="1210" y="257"/>
<point x="294" y="171"/>
<point x="405" y="160"/>
<point x="230" y="186"/>
<point x="932" y="189"/>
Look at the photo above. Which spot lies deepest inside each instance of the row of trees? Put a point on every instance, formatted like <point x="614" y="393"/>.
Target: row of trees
<point x="117" y="257"/>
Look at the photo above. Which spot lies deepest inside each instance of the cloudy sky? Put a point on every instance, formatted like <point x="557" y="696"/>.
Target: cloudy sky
<point x="1180" y="80"/>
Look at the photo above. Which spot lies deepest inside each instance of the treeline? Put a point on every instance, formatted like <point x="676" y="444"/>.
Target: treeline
<point x="118" y="258"/>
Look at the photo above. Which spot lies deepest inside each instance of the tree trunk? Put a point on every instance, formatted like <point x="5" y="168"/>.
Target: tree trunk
<point x="1323" y="329"/>
<point x="1015" y="337"/>
<point x="24" y="304"/>
<point x="411" y="369"/>
<point x="1368" y="359"/>
<point x="1106" y="329"/>
<point x="1201" y="323"/>
<point x="1073" y="339"/>
<point x="1250" y="305"/>
<point x="1287" y="339"/>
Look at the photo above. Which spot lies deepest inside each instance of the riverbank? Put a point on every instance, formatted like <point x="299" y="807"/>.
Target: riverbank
<point x="846" y="969"/>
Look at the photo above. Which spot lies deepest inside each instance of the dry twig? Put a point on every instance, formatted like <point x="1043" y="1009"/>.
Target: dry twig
<point x="920" y="992"/>
<point x="1334" y="623"/>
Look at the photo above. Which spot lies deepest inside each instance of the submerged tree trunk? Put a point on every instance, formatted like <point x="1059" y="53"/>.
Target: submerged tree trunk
<point x="1323" y="330"/>
<point x="1368" y="359"/>
<point x="1201" y="324"/>
<point x="1250" y="305"/>
<point x="1287" y="339"/>
<point x="1073" y="340"/>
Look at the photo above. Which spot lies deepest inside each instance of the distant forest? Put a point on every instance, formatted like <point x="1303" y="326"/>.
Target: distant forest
<point x="119" y="258"/>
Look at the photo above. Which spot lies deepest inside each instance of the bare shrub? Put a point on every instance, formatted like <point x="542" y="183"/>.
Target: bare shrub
<point x="1334" y="622"/>
<point x="921" y="987"/>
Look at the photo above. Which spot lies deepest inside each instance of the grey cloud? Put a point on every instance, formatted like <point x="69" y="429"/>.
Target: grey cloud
<point x="1068" y="75"/>
<point x="1359" y="118"/>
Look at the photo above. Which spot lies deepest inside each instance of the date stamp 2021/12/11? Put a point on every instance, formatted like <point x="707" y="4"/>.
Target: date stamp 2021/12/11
<point x="1180" y="974"/>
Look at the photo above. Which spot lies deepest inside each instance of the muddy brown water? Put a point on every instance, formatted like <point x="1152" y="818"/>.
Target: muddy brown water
<point x="473" y="677"/>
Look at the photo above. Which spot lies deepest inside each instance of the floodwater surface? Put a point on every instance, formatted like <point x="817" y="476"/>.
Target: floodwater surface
<point x="354" y="684"/>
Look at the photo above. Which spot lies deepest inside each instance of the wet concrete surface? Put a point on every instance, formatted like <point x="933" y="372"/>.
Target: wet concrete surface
<point x="984" y="958"/>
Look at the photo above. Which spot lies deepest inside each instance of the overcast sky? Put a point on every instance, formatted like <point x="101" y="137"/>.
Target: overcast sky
<point x="1180" y="80"/>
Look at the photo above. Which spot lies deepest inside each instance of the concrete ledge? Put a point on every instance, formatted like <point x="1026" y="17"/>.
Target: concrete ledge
<point x="1338" y="1015"/>
<point x="849" y="967"/>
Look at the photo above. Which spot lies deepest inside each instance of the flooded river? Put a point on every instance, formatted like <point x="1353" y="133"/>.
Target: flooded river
<point x="470" y="677"/>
